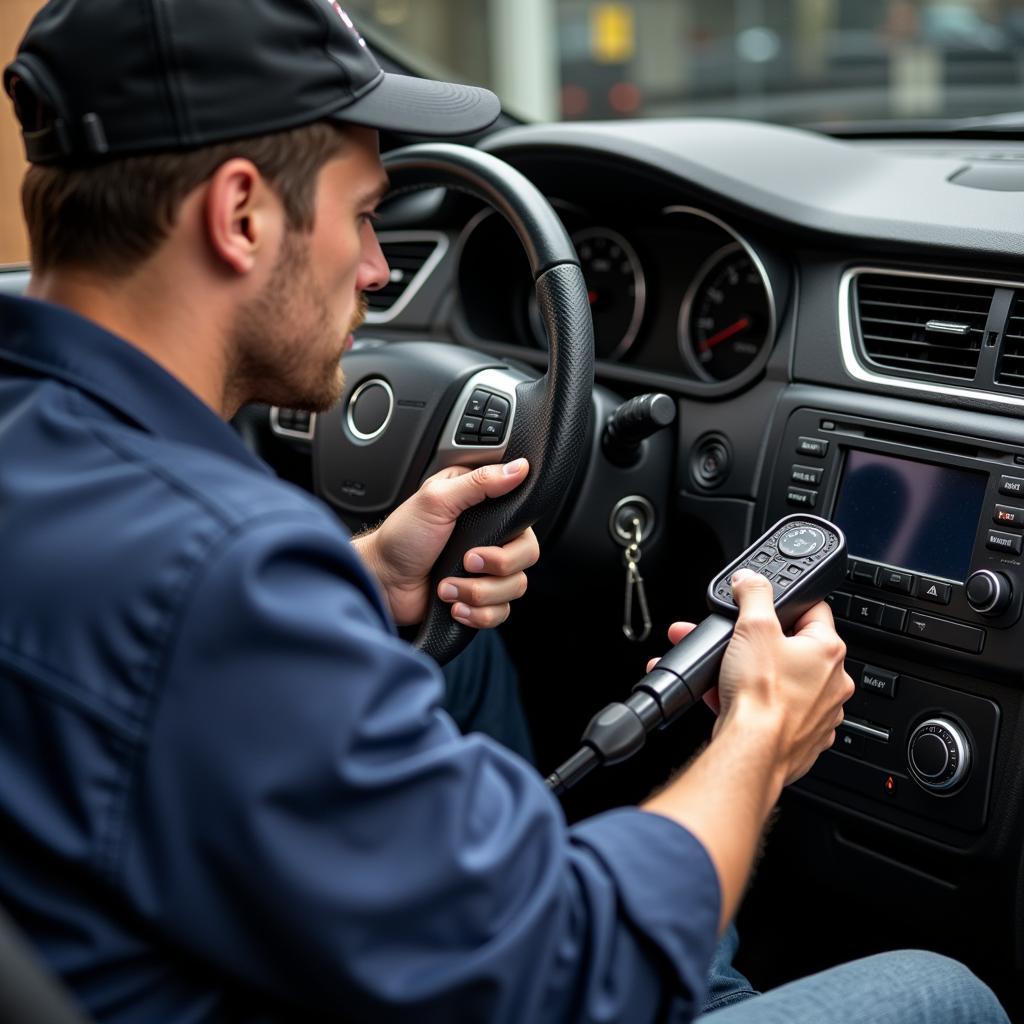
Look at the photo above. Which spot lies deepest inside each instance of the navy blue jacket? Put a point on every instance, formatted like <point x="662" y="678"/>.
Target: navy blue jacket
<point x="227" y="791"/>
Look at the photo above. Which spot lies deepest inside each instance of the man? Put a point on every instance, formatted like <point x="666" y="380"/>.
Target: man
<point x="229" y="791"/>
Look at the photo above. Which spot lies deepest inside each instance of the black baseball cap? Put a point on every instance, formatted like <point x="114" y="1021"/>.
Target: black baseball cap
<point x="102" y="78"/>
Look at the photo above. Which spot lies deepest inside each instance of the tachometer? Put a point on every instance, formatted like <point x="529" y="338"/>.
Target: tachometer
<point x="615" y="287"/>
<point x="727" y="316"/>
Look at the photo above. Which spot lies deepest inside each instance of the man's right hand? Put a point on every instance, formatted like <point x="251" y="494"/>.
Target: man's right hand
<point x="780" y="699"/>
<point x="793" y="686"/>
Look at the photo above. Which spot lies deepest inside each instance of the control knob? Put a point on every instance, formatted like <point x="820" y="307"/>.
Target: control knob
<point x="938" y="754"/>
<point x="988" y="592"/>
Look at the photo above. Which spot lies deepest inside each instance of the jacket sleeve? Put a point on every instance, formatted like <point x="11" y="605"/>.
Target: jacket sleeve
<point x="308" y="820"/>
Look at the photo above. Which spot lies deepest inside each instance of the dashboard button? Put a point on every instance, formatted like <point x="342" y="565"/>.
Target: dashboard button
<point x="1013" y="485"/>
<point x="893" y="579"/>
<point x="801" y="498"/>
<point x="839" y="603"/>
<point x="1009" y="542"/>
<point x="945" y="631"/>
<point x="933" y="590"/>
<point x="806" y="475"/>
<point x="1009" y="515"/>
<point x="814" y="446"/>
<point x="893" y="618"/>
<point x="867" y="613"/>
<point x="863" y="572"/>
<point x="879" y="680"/>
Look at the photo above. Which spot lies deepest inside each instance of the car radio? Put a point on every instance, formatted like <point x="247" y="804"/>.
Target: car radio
<point x="934" y="523"/>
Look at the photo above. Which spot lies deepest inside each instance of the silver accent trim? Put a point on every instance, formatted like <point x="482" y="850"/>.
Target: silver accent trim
<point x="421" y="275"/>
<point x="682" y="323"/>
<point x="963" y="750"/>
<point x="945" y="327"/>
<point x="375" y="382"/>
<point x="276" y="428"/>
<point x="639" y="284"/>
<point x="449" y="453"/>
<point x="858" y="371"/>
<point x="874" y="732"/>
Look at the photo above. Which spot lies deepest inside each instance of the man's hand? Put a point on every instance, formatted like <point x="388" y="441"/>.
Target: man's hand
<point x="781" y="698"/>
<point x="403" y="549"/>
<point x="796" y="683"/>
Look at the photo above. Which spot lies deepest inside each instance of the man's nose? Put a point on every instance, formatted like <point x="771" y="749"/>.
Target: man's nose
<point x="374" y="272"/>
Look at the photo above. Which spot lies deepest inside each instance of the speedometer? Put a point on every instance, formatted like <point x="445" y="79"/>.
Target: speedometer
<point x="727" y="316"/>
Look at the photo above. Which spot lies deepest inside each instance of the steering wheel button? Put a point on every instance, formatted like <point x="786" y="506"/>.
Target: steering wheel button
<point x="477" y="403"/>
<point x="470" y="425"/>
<point x="497" y="408"/>
<point x="468" y="439"/>
<point x="490" y="428"/>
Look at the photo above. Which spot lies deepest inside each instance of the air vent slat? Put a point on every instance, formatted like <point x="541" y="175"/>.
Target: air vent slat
<point x="882" y="339"/>
<point x="940" y="293"/>
<point x="893" y="316"/>
<point x="913" y="324"/>
<point x="1009" y="369"/>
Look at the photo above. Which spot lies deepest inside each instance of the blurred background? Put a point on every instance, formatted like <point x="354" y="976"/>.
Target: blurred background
<point x="808" y="62"/>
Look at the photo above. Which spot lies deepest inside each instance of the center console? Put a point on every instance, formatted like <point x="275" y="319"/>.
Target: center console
<point x="934" y="523"/>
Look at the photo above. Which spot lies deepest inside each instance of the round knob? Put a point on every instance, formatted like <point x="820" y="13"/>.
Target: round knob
<point x="988" y="592"/>
<point x="938" y="754"/>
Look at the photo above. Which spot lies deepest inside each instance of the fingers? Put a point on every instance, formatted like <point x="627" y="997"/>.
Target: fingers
<point x="480" y="592"/>
<point x="753" y="596"/>
<point x="449" y="493"/>
<point x="481" y="618"/>
<point x="519" y="553"/>
<point x="676" y="632"/>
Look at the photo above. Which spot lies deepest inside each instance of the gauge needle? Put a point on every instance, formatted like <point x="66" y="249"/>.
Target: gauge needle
<point x="725" y="332"/>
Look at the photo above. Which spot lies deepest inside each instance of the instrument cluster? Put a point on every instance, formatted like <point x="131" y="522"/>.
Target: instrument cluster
<point x="679" y="292"/>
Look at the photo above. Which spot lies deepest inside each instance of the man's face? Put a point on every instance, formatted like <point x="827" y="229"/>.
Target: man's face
<point x="289" y="340"/>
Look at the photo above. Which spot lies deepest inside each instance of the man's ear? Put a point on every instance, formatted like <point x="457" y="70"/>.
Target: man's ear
<point x="240" y="214"/>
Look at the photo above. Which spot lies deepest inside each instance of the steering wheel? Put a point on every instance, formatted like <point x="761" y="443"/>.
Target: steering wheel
<point x="408" y="407"/>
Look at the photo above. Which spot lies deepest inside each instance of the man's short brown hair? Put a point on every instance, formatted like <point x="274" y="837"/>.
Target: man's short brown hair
<point x="112" y="216"/>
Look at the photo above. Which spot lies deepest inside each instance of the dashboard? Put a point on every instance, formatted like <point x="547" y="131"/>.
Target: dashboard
<point x="841" y="327"/>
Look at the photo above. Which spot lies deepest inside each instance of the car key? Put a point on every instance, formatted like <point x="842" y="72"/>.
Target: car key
<point x="803" y="556"/>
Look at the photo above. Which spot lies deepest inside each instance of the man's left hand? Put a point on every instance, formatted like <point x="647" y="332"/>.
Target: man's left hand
<point x="403" y="549"/>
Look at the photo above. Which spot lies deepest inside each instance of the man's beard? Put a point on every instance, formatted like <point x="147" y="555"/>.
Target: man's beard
<point x="286" y="345"/>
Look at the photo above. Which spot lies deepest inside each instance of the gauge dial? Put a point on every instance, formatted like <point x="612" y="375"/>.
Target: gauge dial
<point x="615" y="287"/>
<point x="727" y="317"/>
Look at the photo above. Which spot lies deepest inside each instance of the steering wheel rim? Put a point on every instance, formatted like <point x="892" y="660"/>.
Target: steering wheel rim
<point x="552" y="413"/>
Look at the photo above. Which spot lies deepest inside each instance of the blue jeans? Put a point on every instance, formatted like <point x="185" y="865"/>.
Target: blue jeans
<point x="482" y="693"/>
<point x="907" y="987"/>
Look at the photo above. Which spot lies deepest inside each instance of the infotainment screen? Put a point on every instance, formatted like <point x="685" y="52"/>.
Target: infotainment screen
<point x="913" y="515"/>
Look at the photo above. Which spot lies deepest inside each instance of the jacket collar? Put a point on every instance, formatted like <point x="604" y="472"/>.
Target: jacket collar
<point x="54" y="342"/>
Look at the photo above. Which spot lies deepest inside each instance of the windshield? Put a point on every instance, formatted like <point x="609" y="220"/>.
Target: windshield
<point x="791" y="61"/>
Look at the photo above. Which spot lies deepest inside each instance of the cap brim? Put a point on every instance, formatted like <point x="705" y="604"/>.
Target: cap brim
<point x="421" y="106"/>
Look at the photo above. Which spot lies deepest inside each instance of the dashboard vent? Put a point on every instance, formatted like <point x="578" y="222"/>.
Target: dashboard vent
<point x="924" y="325"/>
<point x="1011" y="356"/>
<point x="411" y="256"/>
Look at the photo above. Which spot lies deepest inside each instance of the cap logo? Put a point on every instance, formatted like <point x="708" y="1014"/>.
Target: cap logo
<point x="348" y="21"/>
